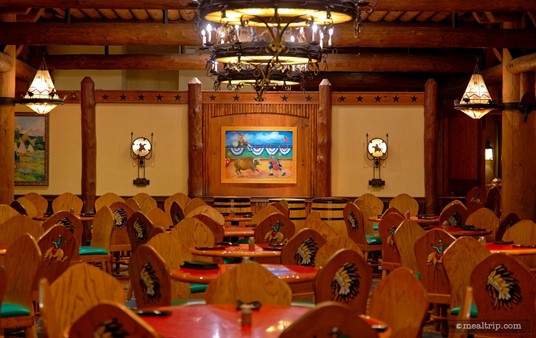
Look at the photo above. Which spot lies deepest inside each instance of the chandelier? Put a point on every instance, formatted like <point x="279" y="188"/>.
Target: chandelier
<point x="476" y="100"/>
<point x="270" y="44"/>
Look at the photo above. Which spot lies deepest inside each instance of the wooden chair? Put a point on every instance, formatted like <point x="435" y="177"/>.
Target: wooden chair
<point x="405" y="236"/>
<point x="493" y="200"/>
<point x="107" y="199"/>
<point x="281" y="207"/>
<point x="119" y="240"/>
<point x="6" y="212"/>
<point x="261" y="214"/>
<point x="404" y="202"/>
<point x="401" y="301"/>
<point x="485" y="219"/>
<point x="322" y="228"/>
<point x="504" y="290"/>
<point x="346" y="278"/>
<point x="98" y="252"/>
<point x="69" y="221"/>
<point x="475" y="199"/>
<point x="140" y="229"/>
<point x="235" y="285"/>
<point x="375" y="203"/>
<point x="60" y="309"/>
<point x="160" y="218"/>
<point x="133" y="204"/>
<point x="68" y="202"/>
<point x="302" y="248"/>
<point x="329" y="319"/>
<point x="454" y="214"/>
<point x="149" y="277"/>
<point x="390" y="254"/>
<point x="392" y="210"/>
<point x="40" y="203"/>
<point x="274" y="229"/>
<point x="146" y="202"/>
<point x="18" y="225"/>
<point x="180" y="198"/>
<point x="59" y="249"/>
<point x="209" y="211"/>
<point x="505" y="223"/>
<point x="113" y="319"/>
<point x="454" y="202"/>
<point x="22" y="262"/>
<point x="193" y="232"/>
<point x="429" y="250"/>
<point x="217" y="229"/>
<point x="192" y="204"/>
<point x="176" y="213"/>
<point x="355" y="227"/>
<point x="314" y="215"/>
<point x="332" y="246"/>
<point x="459" y="260"/>
<point x="522" y="232"/>
<point x="29" y="207"/>
<point x="18" y="207"/>
<point x="464" y="315"/>
<point x="367" y="212"/>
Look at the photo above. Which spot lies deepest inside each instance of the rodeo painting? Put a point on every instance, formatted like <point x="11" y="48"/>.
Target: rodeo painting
<point x="258" y="155"/>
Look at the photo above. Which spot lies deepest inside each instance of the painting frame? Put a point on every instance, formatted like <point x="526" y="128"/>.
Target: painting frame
<point x="271" y="151"/>
<point x="31" y="149"/>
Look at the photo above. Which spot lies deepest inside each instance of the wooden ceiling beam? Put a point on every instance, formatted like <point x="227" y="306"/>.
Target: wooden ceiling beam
<point x="392" y="62"/>
<point x="98" y="4"/>
<point x="153" y="34"/>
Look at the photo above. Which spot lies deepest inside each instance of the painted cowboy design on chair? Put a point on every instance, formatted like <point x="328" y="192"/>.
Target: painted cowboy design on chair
<point x="436" y="256"/>
<point x="275" y="236"/>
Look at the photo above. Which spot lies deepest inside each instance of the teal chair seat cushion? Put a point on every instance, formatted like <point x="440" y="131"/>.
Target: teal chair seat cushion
<point x="375" y="226"/>
<point x="373" y="239"/>
<point x="195" y="301"/>
<point x="13" y="310"/>
<point x="197" y="288"/>
<point x="87" y="250"/>
<point x="473" y="313"/>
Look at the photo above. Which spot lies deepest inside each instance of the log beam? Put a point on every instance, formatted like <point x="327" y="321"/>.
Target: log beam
<point x="430" y="141"/>
<point x="97" y="4"/>
<point x="157" y="34"/>
<point x="526" y="63"/>
<point x="89" y="143"/>
<point x="6" y="62"/>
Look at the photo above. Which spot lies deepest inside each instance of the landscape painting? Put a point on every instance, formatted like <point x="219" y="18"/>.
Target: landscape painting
<point x="258" y="155"/>
<point x="31" y="149"/>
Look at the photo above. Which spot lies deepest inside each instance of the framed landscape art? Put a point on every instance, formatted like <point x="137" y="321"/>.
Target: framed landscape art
<point x="31" y="149"/>
<point x="258" y="155"/>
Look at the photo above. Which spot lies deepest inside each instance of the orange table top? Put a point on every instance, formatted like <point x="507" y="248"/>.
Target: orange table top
<point x="224" y="321"/>
<point x="425" y="220"/>
<point x="511" y="249"/>
<point x="240" y="250"/>
<point x="458" y="232"/>
<point x="288" y="273"/>
<point x="238" y="231"/>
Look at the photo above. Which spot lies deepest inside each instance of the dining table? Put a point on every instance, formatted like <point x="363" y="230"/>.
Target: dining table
<point x="421" y="219"/>
<point x="461" y="231"/>
<point x="511" y="249"/>
<point x="223" y="320"/>
<point x="238" y="231"/>
<point x="262" y="252"/>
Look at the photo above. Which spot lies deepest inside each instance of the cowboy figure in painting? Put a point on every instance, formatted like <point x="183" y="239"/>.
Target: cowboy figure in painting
<point x="275" y="165"/>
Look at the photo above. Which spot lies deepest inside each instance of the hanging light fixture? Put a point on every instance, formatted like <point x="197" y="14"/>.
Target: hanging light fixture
<point x="270" y="44"/>
<point x="476" y="100"/>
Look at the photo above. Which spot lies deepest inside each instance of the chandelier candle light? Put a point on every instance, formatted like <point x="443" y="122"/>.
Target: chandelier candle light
<point x="270" y="44"/>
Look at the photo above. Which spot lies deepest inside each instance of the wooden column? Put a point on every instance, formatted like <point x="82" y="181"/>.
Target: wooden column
<point x="430" y="141"/>
<point x="518" y="138"/>
<point x="322" y="134"/>
<point x="196" y="145"/>
<point x="89" y="144"/>
<point x="7" y="125"/>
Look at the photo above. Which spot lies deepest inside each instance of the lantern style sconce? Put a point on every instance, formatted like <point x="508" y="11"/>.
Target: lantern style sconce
<point x="141" y="149"/>
<point x="488" y="154"/>
<point x="377" y="152"/>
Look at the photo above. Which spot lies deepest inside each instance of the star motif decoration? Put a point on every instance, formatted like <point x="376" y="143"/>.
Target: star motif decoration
<point x="141" y="97"/>
<point x="414" y="98"/>
<point x="308" y="98"/>
<point x="236" y="97"/>
<point x="105" y="97"/>
<point x="177" y="97"/>
<point x="212" y="97"/>
<point x="284" y="98"/>
<point x="378" y="99"/>
<point x="159" y="97"/>
<point x="123" y="97"/>
<point x="360" y="98"/>
<point x="396" y="99"/>
<point x="341" y="98"/>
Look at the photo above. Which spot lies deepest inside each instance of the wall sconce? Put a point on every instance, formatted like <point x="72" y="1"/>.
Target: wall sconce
<point x="377" y="152"/>
<point x="41" y="97"/>
<point x="488" y="153"/>
<point x="141" y="149"/>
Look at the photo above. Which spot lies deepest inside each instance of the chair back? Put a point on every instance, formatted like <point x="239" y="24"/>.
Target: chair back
<point x="209" y="211"/>
<point x="367" y="213"/>
<point x="355" y="224"/>
<point x="176" y="212"/>
<point x="69" y="221"/>
<point x="401" y="301"/>
<point x="281" y="207"/>
<point x="274" y="229"/>
<point x="217" y="229"/>
<point x="523" y="232"/>
<point x="314" y="215"/>
<point x="346" y="278"/>
<point x="261" y="214"/>
<point x="60" y="309"/>
<point x="405" y="236"/>
<point x="18" y="225"/>
<point x="18" y="207"/>
<point x="454" y="214"/>
<point x="29" y="207"/>
<point x="454" y="202"/>
<point x="113" y="319"/>
<point x="149" y="277"/>
<point x="459" y="260"/>
<point x="504" y="289"/>
<point x="302" y="248"/>
<point x="332" y="246"/>
<point x="505" y="223"/>
<point x="392" y="210"/>
<point x="41" y="203"/>
<point x="485" y="219"/>
<point x="6" y="212"/>
<point x="323" y="228"/>
<point x="103" y="224"/>
<point x="180" y="198"/>
<point x="121" y="213"/>
<point x="493" y="200"/>
<point x="404" y="202"/>
<point x="68" y="202"/>
<point x="386" y="228"/>
<point x="192" y="204"/>
<point x="236" y="285"/>
<point x="193" y="232"/>
<point x="475" y="199"/>
<point x="329" y="319"/>
<point x="145" y="201"/>
<point x="375" y="203"/>
<point x="160" y="218"/>
<point x="140" y="229"/>
<point x="133" y="204"/>
<point x="107" y="199"/>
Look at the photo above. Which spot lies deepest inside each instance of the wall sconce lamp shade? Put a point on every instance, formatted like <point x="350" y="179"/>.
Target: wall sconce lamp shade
<point x="377" y="152"/>
<point x="141" y="149"/>
<point x="488" y="152"/>
<point x="476" y="100"/>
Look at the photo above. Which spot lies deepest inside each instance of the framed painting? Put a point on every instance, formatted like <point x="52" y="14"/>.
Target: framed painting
<point x="258" y="155"/>
<point x="31" y="149"/>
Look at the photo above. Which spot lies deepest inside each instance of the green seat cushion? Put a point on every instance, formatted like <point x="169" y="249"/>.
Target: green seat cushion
<point x="197" y="288"/>
<point x="373" y="240"/>
<point x="13" y="310"/>
<point x="87" y="250"/>
<point x="473" y="313"/>
<point x="232" y="260"/>
<point x="196" y="301"/>
<point x="375" y="226"/>
<point x="303" y="302"/>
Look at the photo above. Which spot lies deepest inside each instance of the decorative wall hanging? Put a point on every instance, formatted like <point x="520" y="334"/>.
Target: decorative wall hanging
<point x="31" y="149"/>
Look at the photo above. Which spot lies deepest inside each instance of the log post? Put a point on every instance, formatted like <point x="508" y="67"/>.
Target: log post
<point x="89" y="144"/>
<point x="430" y="140"/>
<point x="196" y="157"/>
<point x="322" y="156"/>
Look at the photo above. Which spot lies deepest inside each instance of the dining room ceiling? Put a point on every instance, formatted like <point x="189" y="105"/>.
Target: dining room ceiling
<point x="403" y="42"/>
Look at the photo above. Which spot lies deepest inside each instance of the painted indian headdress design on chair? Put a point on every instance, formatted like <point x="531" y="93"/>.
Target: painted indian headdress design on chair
<point x="306" y="252"/>
<point x="149" y="282"/>
<point x="503" y="288"/>
<point x="110" y="328"/>
<point x="353" y="220"/>
<point x="120" y="217"/>
<point x="345" y="284"/>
